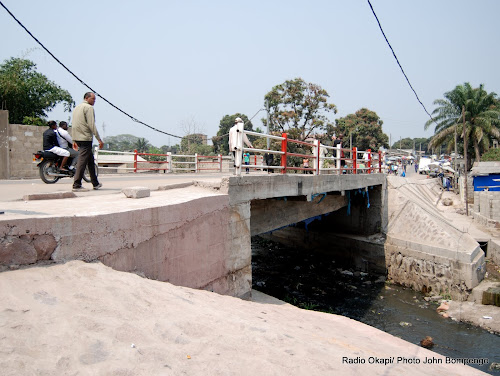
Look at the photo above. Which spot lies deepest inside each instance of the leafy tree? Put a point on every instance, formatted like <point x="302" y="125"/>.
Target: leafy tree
<point x="365" y="127"/>
<point x="142" y="145"/>
<point x="299" y="108"/>
<point x="410" y="143"/>
<point x="26" y="92"/>
<point x="122" y="142"/>
<point x="221" y="141"/>
<point x="482" y="118"/>
<point x="189" y="142"/>
<point x="491" y="155"/>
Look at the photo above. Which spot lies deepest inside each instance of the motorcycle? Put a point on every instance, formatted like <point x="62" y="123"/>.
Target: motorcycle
<point x="48" y="165"/>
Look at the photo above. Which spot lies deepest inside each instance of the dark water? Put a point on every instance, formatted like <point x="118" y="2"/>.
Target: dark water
<point x="313" y="280"/>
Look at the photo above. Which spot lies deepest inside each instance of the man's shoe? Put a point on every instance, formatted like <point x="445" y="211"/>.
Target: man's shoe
<point x="80" y="189"/>
<point x="98" y="186"/>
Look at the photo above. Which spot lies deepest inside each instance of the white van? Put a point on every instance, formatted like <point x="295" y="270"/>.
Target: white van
<point x="423" y="165"/>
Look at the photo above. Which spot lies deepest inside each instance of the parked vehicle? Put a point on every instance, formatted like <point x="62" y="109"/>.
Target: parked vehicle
<point x="423" y="165"/>
<point x="48" y="165"/>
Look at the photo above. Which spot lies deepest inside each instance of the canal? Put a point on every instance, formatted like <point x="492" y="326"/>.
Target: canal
<point x="314" y="280"/>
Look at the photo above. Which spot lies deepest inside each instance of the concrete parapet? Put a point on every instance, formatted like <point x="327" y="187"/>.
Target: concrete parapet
<point x="197" y="241"/>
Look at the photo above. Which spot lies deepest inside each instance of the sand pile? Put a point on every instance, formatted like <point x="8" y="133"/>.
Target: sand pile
<point x="87" y="319"/>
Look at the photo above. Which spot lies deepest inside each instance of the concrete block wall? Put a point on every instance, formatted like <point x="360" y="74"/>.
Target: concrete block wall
<point x="24" y="140"/>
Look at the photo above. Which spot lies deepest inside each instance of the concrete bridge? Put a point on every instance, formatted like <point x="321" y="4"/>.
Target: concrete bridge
<point x="199" y="234"/>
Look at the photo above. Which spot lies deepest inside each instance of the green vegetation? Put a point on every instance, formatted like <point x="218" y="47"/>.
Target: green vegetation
<point x="491" y="155"/>
<point x="221" y="141"/>
<point x="365" y="128"/>
<point x="482" y="119"/>
<point x="27" y="94"/>
<point x="299" y="108"/>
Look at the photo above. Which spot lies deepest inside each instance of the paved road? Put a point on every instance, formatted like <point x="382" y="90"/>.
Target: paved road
<point x="13" y="190"/>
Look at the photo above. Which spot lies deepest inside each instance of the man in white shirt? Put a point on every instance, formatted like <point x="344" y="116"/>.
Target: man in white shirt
<point x="66" y="142"/>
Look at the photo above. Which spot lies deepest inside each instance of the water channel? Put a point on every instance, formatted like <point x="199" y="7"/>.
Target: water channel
<point x="314" y="280"/>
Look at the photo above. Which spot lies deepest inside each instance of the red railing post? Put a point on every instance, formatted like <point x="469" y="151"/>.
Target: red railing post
<point x="369" y="162"/>
<point x="379" y="162"/>
<point x="355" y="160"/>
<point x="135" y="160"/>
<point x="284" y="144"/>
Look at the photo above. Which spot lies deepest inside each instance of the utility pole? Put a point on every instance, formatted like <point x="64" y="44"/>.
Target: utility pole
<point x="455" y="159"/>
<point x="465" y="159"/>
<point x="268" y="140"/>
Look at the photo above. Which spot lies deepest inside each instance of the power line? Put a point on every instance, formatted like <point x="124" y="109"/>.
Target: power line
<point x="402" y="70"/>
<point x="82" y="82"/>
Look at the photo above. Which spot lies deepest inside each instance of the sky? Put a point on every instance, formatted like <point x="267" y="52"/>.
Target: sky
<point x="181" y="66"/>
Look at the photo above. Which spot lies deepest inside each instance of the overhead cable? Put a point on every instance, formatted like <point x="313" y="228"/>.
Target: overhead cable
<point x="87" y="86"/>
<point x="402" y="70"/>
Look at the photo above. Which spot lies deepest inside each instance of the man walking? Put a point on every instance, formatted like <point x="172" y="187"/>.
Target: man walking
<point x="84" y="129"/>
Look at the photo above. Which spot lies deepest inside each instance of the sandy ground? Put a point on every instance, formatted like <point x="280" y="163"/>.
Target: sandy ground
<point x="87" y="319"/>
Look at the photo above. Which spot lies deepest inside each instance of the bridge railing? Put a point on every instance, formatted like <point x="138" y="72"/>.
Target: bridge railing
<point x="168" y="163"/>
<point x="344" y="160"/>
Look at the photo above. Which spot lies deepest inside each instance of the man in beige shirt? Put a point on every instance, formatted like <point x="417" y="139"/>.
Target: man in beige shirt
<point x="83" y="132"/>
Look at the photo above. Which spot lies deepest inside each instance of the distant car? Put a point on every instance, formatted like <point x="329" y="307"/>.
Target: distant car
<point x="423" y="165"/>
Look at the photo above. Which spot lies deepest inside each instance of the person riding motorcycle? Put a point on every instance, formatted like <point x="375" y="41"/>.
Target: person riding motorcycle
<point x="66" y="142"/>
<point x="51" y="144"/>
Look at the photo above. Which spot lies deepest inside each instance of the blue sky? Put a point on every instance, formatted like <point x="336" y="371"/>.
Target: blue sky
<point x="179" y="65"/>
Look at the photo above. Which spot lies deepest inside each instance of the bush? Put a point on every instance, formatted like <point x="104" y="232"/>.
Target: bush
<point x="491" y="155"/>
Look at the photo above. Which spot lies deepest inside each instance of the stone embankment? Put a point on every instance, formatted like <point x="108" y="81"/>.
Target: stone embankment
<point x="440" y="210"/>
<point x="424" y="249"/>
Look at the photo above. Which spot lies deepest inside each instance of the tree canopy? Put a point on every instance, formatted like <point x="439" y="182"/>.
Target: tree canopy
<point x="299" y="108"/>
<point x="365" y="127"/>
<point x="482" y="118"/>
<point x="121" y="142"/>
<point x="221" y="141"/>
<point x="28" y="93"/>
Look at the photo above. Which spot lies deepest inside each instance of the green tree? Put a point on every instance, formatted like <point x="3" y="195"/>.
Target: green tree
<point x="365" y="127"/>
<point x="299" y="108"/>
<point x="419" y="143"/>
<point x="189" y="143"/>
<point x="26" y="92"/>
<point x="482" y="119"/>
<point x="491" y="155"/>
<point x="221" y="141"/>
<point x="142" y="145"/>
<point x="121" y="142"/>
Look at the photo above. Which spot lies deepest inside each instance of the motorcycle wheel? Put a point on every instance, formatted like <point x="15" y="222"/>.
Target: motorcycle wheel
<point x="86" y="174"/>
<point x="45" y="168"/>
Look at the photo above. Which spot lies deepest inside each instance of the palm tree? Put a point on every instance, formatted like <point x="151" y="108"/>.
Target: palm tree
<point x="142" y="145"/>
<point x="482" y="118"/>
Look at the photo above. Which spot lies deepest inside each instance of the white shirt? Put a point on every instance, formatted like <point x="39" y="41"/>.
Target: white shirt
<point x="233" y="136"/>
<point x="63" y="138"/>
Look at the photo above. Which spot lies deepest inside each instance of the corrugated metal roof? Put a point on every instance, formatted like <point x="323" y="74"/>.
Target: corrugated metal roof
<point x="485" y="168"/>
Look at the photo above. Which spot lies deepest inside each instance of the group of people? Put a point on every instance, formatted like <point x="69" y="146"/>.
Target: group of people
<point x="79" y="147"/>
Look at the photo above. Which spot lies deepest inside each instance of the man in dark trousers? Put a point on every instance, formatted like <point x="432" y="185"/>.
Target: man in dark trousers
<point x="84" y="130"/>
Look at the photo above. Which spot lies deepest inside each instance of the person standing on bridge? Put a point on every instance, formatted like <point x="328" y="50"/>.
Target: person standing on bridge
<point x="84" y="130"/>
<point x="233" y="141"/>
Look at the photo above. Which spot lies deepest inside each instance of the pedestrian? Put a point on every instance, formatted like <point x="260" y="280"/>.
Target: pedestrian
<point x="306" y="165"/>
<point x="233" y="141"/>
<point x="246" y="159"/>
<point x="416" y="167"/>
<point x="84" y="130"/>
